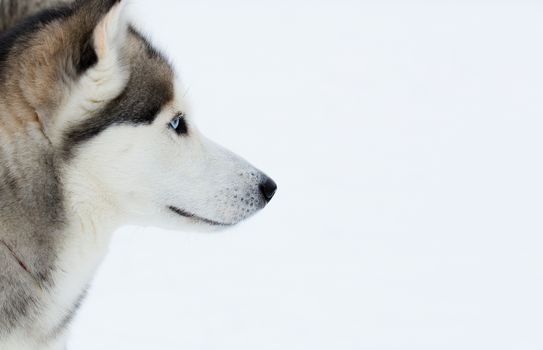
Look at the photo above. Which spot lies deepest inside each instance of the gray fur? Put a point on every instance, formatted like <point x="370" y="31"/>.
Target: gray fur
<point x="145" y="95"/>
<point x="12" y="11"/>
<point x="32" y="213"/>
<point x="60" y="328"/>
<point x="31" y="217"/>
<point x="67" y="74"/>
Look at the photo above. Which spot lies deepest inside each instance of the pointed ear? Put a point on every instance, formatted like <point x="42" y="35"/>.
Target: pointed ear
<point x="105" y="80"/>
<point x="110" y="31"/>
<point x="98" y="25"/>
<point x="101" y="73"/>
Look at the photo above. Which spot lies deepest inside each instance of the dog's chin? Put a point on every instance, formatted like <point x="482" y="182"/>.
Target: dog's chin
<point x="200" y="223"/>
<point x="199" y="227"/>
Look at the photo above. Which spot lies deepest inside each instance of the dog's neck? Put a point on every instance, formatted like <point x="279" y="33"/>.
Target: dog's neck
<point x="92" y="218"/>
<point x="92" y="211"/>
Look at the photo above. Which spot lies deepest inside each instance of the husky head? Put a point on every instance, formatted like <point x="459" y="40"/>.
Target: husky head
<point x="109" y="105"/>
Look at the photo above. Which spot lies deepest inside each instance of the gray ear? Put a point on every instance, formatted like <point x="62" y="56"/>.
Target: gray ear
<point x="95" y="24"/>
<point x="101" y="76"/>
<point x="102" y="18"/>
<point x="63" y="58"/>
<point x="110" y="31"/>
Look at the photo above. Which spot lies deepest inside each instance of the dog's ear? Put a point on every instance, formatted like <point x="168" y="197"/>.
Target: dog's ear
<point x="102" y="27"/>
<point x="97" y="73"/>
<point x="73" y="64"/>
<point x="109" y="31"/>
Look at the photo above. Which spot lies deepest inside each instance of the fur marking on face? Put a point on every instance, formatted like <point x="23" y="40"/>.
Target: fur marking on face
<point x="94" y="134"/>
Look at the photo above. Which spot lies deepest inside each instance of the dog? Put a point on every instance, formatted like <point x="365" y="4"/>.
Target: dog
<point x="95" y="133"/>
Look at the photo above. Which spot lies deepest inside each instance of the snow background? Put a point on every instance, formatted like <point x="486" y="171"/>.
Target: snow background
<point x="406" y="140"/>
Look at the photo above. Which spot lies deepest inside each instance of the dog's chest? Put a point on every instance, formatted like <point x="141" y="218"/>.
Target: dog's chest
<point x="77" y="262"/>
<point x="78" y="257"/>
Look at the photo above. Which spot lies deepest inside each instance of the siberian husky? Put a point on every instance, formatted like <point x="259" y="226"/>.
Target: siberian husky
<point x="94" y="134"/>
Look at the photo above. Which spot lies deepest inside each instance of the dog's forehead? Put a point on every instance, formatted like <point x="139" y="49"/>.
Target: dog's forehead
<point x="152" y="78"/>
<point x="149" y="66"/>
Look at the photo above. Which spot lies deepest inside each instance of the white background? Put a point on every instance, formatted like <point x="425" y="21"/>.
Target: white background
<point x="406" y="139"/>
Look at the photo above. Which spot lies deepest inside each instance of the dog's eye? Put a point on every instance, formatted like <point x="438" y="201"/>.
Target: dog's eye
<point x="178" y="124"/>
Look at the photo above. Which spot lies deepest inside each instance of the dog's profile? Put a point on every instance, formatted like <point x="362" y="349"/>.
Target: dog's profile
<point x="94" y="134"/>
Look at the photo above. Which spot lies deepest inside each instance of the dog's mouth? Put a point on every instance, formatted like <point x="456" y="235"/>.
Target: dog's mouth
<point x="197" y="218"/>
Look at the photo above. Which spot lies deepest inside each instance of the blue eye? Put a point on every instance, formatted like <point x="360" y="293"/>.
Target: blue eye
<point x="175" y="123"/>
<point x="178" y="124"/>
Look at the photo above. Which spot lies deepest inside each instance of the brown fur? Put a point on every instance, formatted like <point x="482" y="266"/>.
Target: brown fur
<point x="37" y="73"/>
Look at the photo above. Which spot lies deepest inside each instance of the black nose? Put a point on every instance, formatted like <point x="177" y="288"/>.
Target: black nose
<point x="268" y="188"/>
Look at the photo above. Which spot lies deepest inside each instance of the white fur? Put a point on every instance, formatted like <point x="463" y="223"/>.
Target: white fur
<point x="131" y="174"/>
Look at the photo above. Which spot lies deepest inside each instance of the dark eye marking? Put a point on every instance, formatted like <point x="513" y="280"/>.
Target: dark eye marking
<point x="178" y="124"/>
